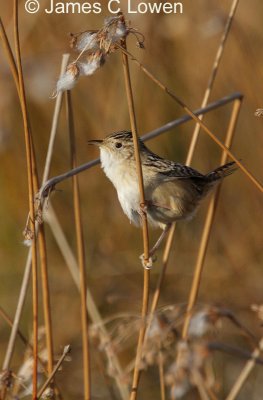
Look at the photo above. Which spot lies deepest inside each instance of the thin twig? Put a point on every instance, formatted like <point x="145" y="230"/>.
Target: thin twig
<point x="195" y="118"/>
<point x="81" y="254"/>
<point x="161" y="374"/>
<point x="240" y="381"/>
<point x="10" y="323"/>
<point x="136" y="154"/>
<point x="42" y="246"/>
<point x="208" y="226"/>
<point x="60" y="361"/>
<point x="192" y="148"/>
<point x="199" y="383"/>
<point x="146" y="275"/>
<point x="25" y="282"/>
<point x="51" y="218"/>
<point x="30" y="172"/>
<point x="51" y="183"/>
<point x="26" y="343"/>
<point x="9" y="55"/>
<point x="212" y="78"/>
<point x="55" y="119"/>
<point x="236" y="351"/>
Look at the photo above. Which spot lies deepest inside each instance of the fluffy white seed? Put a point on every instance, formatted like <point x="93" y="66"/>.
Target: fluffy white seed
<point x="68" y="80"/>
<point x="93" y="63"/>
<point x="87" y="41"/>
<point x="199" y="324"/>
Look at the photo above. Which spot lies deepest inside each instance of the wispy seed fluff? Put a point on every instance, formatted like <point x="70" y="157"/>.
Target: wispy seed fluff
<point x="68" y="80"/>
<point x="92" y="63"/>
<point x="86" y="41"/>
<point x="115" y="29"/>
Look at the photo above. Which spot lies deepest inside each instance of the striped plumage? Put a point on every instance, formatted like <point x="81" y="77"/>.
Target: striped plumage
<point x="172" y="191"/>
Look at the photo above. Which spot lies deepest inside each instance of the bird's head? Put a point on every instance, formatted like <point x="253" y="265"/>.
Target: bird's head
<point x="117" y="146"/>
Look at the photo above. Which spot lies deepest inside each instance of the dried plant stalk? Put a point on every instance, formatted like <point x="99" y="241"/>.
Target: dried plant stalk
<point x="161" y="375"/>
<point x="81" y="254"/>
<point x="71" y="262"/>
<point x="30" y="172"/>
<point x="212" y="78"/>
<point x="60" y="361"/>
<point x="26" y="277"/>
<point x="51" y="183"/>
<point x="28" y="344"/>
<point x="191" y="150"/>
<point x="245" y="373"/>
<point x="248" y="174"/>
<point x="208" y="225"/>
<point x="146" y="281"/>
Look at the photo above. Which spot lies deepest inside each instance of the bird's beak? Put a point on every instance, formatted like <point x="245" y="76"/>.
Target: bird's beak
<point x="95" y="142"/>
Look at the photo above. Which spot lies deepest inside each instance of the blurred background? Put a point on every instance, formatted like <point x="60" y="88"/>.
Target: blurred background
<point x="179" y="50"/>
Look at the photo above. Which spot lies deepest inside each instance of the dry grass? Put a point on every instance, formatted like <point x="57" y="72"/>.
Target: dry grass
<point x="182" y="348"/>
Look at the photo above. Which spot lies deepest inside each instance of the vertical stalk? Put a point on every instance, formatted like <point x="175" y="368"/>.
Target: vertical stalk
<point x="208" y="225"/>
<point x="42" y="243"/>
<point x="192" y="146"/>
<point x="250" y="364"/>
<point x="81" y="254"/>
<point x="70" y="260"/>
<point x="161" y="374"/>
<point x="211" y="81"/>
<point x="145" y="300"/>
<point x="30" y="173"/>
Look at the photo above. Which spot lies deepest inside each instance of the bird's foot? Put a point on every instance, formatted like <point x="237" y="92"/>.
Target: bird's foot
<point x="143" y="208"/>
<point x="147" y="264"/>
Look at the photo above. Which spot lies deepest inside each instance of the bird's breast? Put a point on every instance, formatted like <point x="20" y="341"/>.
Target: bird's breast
<point x="123" y="177"/>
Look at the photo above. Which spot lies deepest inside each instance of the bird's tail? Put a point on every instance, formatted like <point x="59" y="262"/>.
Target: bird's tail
<point x="221" y="172"/>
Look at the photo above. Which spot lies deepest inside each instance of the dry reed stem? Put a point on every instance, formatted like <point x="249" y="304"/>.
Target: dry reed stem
<point x="42" y="246"/>
<point x="234" y="351"/>
<point x="191" y="150"/>
<point x="239" y="383"/>
<point x="212" y="78"/>
<point x="42" y="249"/>
<point x="191" y="113"/>
<point x="146" y="274"/>
<point x="46" y="297"/>
<point x="9" y="55"/>
<point x="55" y="370"/>
<point x="199" y="382"/>
<point x="10" y="323"/>
<point x="40" y="234"/>
<point x="208" y="225"/>
<point x="70" y="260"/>
<point x="51" y="183"/>
<point x="161" y="375"/>
<point x="26" y="343"/>
<point x="166" y="255"/>
<point x="55" y="119"/>
<point x="81" y="253"/>
<point x="136" y="153"/>
<point x="30" y="173"/>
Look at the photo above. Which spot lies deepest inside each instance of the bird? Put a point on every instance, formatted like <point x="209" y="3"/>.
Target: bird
<point x="173" y="191"/>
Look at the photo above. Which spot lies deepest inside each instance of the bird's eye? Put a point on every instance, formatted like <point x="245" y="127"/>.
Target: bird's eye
<point x="118" y="145"/>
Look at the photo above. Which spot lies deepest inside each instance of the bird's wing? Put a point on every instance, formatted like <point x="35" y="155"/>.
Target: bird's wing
<point x="178" y="171"/>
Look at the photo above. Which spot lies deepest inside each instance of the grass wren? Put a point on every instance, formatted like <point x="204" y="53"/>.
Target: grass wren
<point x="172" y="191"/>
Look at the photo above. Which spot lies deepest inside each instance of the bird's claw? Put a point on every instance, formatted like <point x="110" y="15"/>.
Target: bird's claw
<point x="147" y="264"/>
<point x="143" y="208"/>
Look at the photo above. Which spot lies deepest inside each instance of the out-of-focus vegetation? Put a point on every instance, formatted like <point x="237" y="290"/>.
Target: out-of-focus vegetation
<point x="180" y="50"/>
